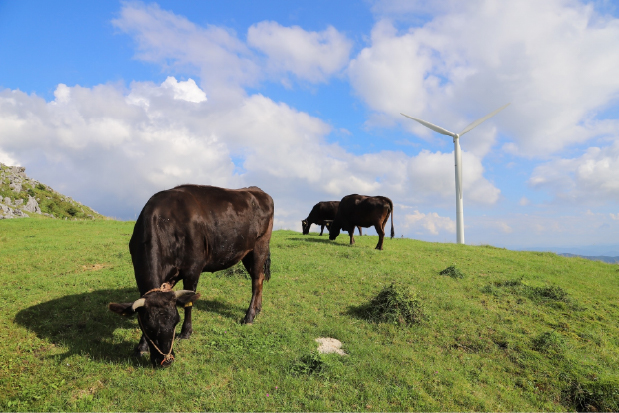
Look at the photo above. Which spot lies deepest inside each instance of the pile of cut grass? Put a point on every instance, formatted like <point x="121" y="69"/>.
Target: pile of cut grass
<point x="395" y="304"/>
<point x="453" y="272"/>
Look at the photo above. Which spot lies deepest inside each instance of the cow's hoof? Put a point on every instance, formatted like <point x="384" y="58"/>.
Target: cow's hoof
<point x="184" y="336"/>
<point x="138" y="353"/>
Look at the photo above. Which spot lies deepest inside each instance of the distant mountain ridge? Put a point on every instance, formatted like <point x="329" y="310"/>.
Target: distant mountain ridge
<point x="21" y="197"/>
<point x="610" y="260"/>
<point x="595" y="252"/>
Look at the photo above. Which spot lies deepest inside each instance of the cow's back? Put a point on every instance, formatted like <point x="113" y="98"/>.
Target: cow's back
<point x="196" y="225"/>
<point x="360" y="210"/>
<point x="322" y="211"/>
<point x="346" y="210"/>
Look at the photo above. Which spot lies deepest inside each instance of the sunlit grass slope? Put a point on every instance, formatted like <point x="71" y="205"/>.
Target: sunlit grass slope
<point x="500" y="331"/>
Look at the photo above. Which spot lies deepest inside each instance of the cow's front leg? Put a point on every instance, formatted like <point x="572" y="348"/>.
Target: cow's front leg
<point x="352" y="236"/>
<point x="187" y="329"/>
<point x="322" y="228"/>
<point x="189" y="283"/>
<point x="141" y="348"/>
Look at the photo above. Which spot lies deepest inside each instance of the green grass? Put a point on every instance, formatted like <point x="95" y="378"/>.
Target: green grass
<point x="523" y="331"/>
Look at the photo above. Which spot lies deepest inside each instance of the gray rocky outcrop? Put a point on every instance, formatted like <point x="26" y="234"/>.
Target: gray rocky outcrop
<point x="32" y="206"/>
<point x="18" y="197"/>
<point x="7" y="212"/>
<point x="16" y="207"/>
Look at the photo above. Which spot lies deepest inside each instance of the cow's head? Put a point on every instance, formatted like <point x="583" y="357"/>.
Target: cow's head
<point x="334" y="231"/>
<point x="306" y="226"/>
<point x="158" y="317"/>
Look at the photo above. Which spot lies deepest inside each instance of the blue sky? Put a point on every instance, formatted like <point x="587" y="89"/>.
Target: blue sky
<point x="110" y="102"/>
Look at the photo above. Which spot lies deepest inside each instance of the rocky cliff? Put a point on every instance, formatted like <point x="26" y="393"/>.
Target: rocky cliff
<point x="21" y="197"/>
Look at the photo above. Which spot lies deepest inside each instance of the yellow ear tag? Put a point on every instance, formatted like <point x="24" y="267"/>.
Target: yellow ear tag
<point x="189" y="304"/>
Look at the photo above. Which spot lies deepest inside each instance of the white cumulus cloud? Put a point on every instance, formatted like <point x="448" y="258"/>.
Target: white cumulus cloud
<point x="187" y="90"/>
<point x="553" y="60"/>
<point x="225" y="63"/>
<point x="431" y="222"/>
<point x="311" y="56"/>
<point x="590" y="178"/>
<point x="131" y="143"/>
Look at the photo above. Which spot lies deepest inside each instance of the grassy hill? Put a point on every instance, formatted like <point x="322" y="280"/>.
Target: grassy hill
<point x="53" y="204"/>
<point x="499" y="331"/>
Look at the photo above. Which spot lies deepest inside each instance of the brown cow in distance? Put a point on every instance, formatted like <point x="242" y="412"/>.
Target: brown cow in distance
<point x="364" y="211"/>
<point x="182" y="232"/>
<point x="323" y="213"/>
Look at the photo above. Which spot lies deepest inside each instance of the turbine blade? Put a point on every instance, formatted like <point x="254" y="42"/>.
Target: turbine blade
<point x="431" y="126"/>
<point x="478" y="121"/>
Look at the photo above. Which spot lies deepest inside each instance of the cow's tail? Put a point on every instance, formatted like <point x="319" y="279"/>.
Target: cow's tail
<point x="267" y="267"/>
<point x="392" y="230"/>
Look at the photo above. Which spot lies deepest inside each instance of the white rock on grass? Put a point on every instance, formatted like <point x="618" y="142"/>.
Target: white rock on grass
<point x="329" y="345"/>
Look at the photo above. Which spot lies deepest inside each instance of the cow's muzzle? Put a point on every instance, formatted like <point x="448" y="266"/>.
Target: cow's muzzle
<point x="166" y="361"/>
<point x="167" y="358"/>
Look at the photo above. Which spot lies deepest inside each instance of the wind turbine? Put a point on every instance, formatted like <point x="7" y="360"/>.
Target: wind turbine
<point x="458" y="160"/>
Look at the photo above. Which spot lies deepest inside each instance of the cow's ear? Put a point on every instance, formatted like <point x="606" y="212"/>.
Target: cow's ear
<point x="185" y="298"/>
<point x="122" y="308"/>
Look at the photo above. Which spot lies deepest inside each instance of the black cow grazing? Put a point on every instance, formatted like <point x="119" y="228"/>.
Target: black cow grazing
<point x="364" y="211"/>
<point x="183" y="232"/>
<point x="323" y="213"/>
<point x="328" y="225"/>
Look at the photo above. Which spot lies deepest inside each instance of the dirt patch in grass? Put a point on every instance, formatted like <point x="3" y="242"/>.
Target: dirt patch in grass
<point x="80" y="394"/>
<point x="94" y="267"/>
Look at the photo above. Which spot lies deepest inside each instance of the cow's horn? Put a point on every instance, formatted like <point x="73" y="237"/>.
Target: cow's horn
<point x="178" y="293"/>
<point x="138" y="303"/>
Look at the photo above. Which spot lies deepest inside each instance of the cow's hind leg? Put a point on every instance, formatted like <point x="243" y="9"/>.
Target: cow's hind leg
<point x="352" y="236"/>
<point x="190" y="282"/>
<point x="380" y="229"/>
<point x="254" y="263"/>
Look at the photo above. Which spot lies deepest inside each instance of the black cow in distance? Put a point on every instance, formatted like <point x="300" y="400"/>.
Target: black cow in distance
<point x="362" y="211"/>
<point x="323" y="213"/>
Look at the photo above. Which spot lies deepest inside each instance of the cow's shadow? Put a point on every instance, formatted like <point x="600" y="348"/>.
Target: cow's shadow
<point x="323" y="240"/>
<point x="236" y="313"/>
<point x="83" y="324"/>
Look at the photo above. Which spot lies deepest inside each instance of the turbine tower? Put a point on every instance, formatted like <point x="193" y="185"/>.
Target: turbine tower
<point x="458" y="161"/>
